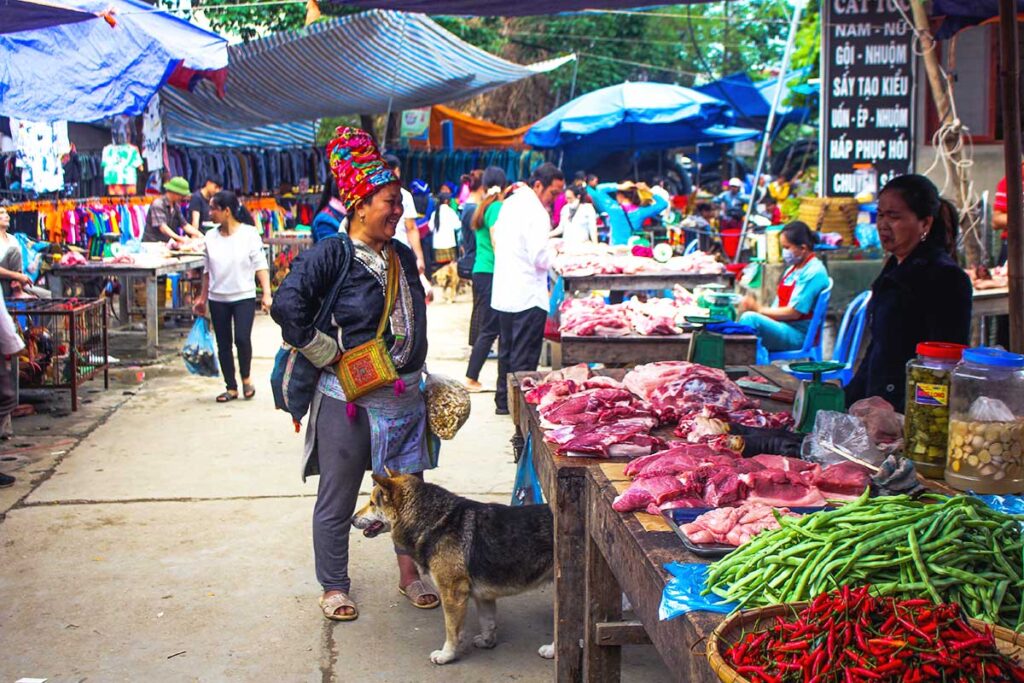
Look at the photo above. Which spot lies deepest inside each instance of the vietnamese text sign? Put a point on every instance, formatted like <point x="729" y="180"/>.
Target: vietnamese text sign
<point x="867" y="94"/>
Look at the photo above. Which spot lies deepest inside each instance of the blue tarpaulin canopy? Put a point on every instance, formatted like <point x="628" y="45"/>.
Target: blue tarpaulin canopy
<point x="367" y="63"/>
<point x="90" y="70"/>
<point x="752" y="101"/>
<point x="493" y="8"/>
<point x="26" y="15"/>
<point x="629" y="116"/>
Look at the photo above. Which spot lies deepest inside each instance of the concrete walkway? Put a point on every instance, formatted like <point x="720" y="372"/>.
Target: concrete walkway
<point x="158" y="536"/>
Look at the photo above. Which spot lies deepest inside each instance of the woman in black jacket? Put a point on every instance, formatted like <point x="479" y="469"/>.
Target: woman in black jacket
<point x="921" y="295"/>
<point x="385" y="429"/>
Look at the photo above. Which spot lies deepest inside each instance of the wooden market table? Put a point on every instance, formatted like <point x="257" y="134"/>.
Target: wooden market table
<point x="148" y="271"/>
<point x="643" y="281"/>
<point x="563" y="480"/>
<point x="740" y="349"/>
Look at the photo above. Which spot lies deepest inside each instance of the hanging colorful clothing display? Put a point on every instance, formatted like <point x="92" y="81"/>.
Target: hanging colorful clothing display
<point x="76" y="222"/>
<point x="121" y="164"/>
<point x="39" y="149"/>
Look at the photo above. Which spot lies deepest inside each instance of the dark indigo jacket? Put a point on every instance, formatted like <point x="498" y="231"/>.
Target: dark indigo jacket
<point x="360" y="303"/>
<point x="928" y="297"/>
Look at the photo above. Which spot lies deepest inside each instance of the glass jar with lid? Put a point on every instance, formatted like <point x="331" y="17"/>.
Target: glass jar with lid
<point x="986" y="422"/>
<point x="926" y="426"/>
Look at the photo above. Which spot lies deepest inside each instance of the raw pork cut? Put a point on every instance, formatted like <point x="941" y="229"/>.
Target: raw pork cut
<point x="733" y="526"/>
<point x="583" y="406"/>
<point x="629" y="437"/>
<point x="676" y="388"/>
<point x="678" y="458"/>
<point x="808" y="471"/>
<point x="643" y="492"/>
<point x="675" y="504"/>
<point x="564" y="434"/>
<point x="781" y="488"/>
<point x="843" y="479"/>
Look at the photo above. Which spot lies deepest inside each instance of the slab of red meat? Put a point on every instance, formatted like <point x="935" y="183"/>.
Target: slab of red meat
<point x="597" y="440"/>
<point x="564" y="434"/>
<point x="549" y="392"/>
<point x="636" y="446"/>
<point x="679" y="459"/>
<point x="642" y="492"/>
<point x="781" y="488"/>
<point x="843" y="479"/>
<point x="703" y="422"/>
<point x="675" y="504"/>
<point x="808" y="471"/>
<point x="725" y="486"/>
<point x="655" y="325"/>
<point x="676" y="388"/>
<point x="600" y="381"/>
<point x="582" y="406"/>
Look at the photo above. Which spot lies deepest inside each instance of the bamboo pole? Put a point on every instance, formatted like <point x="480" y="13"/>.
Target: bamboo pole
<point x="1009" y="73"/>
<point x="953" y="137"/>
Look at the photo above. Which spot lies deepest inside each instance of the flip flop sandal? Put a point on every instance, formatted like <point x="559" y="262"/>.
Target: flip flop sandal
<point x="332" y="604"/>
<point x="226" y="396"/>
<point x="416" y="590"/>
<point x="248" y="391"/>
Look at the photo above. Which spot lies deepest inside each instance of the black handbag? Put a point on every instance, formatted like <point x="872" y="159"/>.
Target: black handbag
<point x="293" y="380"/>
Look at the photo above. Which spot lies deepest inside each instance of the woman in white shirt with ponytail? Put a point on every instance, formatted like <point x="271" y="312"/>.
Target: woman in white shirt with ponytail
<point x="234" y="260"/>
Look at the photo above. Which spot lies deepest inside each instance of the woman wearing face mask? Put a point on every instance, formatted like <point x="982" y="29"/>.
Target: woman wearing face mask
<point x="578" y="224"/>
<point x="921" y="294"/>
<point x="783" y="325"/>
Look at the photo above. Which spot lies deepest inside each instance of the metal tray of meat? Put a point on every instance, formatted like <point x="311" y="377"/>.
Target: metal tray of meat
<point x="713" y="551"/>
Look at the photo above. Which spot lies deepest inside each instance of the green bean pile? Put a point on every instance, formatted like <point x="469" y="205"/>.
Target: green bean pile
<point x="947" y="549"/>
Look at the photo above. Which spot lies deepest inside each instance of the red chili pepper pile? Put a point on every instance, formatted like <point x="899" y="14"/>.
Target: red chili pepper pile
<point x="849" y="636"/>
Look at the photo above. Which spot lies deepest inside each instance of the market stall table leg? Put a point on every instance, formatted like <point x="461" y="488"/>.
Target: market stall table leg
<point x="152" y="315"/>
<point x="635" y="559"/>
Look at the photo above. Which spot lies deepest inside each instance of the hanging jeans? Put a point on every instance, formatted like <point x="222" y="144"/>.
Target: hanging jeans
<point x="240" y="315"/>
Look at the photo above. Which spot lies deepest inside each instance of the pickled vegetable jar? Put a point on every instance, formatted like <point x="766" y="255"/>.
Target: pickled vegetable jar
<point x="986" y="422"/>
<point x="926" y="426"/>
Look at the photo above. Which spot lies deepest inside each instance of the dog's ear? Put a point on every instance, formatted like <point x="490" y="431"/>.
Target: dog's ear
<point x="390" y="472"/>
<point x="383" y="482"/>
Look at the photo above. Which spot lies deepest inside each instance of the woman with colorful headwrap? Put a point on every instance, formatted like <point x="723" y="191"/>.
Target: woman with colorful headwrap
<point x="386" y="428"/>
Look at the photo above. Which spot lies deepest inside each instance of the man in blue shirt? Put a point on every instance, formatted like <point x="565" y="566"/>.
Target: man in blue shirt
<point x="732" y="197"/>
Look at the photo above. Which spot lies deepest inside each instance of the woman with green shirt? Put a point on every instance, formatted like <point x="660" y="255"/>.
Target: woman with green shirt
<point x="485" y="318"/>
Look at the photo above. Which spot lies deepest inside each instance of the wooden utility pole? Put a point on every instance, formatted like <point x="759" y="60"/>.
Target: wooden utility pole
<point x="952" y="139"/>
<point x="1009" y="74"/>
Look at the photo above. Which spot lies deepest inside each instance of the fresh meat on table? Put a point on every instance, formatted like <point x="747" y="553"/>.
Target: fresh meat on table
<point x="808" y="471"/>
<point x="679" y="458"/>
<point x="629" y="437"/>
<point x="779" y="487"/>
<point x="733" y="526"/>
<point x="676" y="388"/>
<point x="643" y="492"/>
<point x="675" y="504"/>
<point x="708" y="421"/>
<point x="583" y="406"/>
<point x="844" y="479"/>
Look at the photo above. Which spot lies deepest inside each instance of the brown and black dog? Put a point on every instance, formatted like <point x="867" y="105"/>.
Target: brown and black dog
<point x="483" y="551"/>
<point x="447" y="278"/>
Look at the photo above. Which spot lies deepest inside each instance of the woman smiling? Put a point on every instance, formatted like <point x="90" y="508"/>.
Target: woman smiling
<point x="368" y="412"/>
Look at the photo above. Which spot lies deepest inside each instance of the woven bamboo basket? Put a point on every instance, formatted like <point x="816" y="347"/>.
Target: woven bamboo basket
<point x="733" y="628"/>
<point x="830" y="214"/>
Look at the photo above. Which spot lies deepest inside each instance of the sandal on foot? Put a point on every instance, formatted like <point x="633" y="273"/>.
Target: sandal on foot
<point x="416" y="590"/>
<point x="332" y="604"/>
<point x="226" y="396"/>
<point x="248" y="391"/>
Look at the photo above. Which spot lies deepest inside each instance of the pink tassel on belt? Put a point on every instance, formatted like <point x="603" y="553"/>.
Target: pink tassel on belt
<point x="352" y="410"/>
<point x="399" y="388"/>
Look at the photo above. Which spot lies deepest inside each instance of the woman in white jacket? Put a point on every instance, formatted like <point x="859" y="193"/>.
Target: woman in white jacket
<point x="578" y="223"/>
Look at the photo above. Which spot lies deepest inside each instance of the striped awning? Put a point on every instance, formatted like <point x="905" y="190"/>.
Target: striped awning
<point x="361" y="64"/>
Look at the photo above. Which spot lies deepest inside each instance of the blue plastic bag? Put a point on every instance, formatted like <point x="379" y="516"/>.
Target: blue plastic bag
<point x="1010" y="505"/>
<point x="200" y="352"/>
<point x="526" y="490"/>
<point x="682" y="592"/>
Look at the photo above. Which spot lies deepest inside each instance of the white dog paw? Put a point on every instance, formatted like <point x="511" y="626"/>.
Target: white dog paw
<point x="441" y="656"/>
<point x="485" y="642"/>
<point x="547" y="651"/>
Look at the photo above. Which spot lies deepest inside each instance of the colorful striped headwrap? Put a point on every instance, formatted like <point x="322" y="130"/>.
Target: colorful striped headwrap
<point x="357" y="165"/>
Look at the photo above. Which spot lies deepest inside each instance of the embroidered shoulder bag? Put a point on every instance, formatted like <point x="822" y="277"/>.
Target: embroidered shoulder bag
<point x="368" y="366"/>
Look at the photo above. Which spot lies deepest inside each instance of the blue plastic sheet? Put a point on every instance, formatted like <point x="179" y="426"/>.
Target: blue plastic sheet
<point x="526" y="490"/>
<point x="1011" y="505"/>
<point x="682" y="592"/>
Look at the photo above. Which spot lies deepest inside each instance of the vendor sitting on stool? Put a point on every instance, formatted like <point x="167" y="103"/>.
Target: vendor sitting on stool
<point x="783" y="326"/>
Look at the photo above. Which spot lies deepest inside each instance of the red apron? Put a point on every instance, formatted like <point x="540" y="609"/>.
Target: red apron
<point x="785" y="292"/>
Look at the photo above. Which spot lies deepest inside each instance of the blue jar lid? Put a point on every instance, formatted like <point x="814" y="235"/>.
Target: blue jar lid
<point x="987" y="355"/>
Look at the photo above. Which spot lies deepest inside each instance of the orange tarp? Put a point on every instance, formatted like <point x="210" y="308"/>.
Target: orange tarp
<point x="470" y="133"/>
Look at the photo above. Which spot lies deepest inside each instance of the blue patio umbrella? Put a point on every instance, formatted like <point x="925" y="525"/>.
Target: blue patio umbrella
<point x="629" y="116"/>
<point x="90" y="70"/>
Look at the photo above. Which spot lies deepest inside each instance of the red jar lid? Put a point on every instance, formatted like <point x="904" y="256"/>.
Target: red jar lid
<point x="942" y="350"/>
